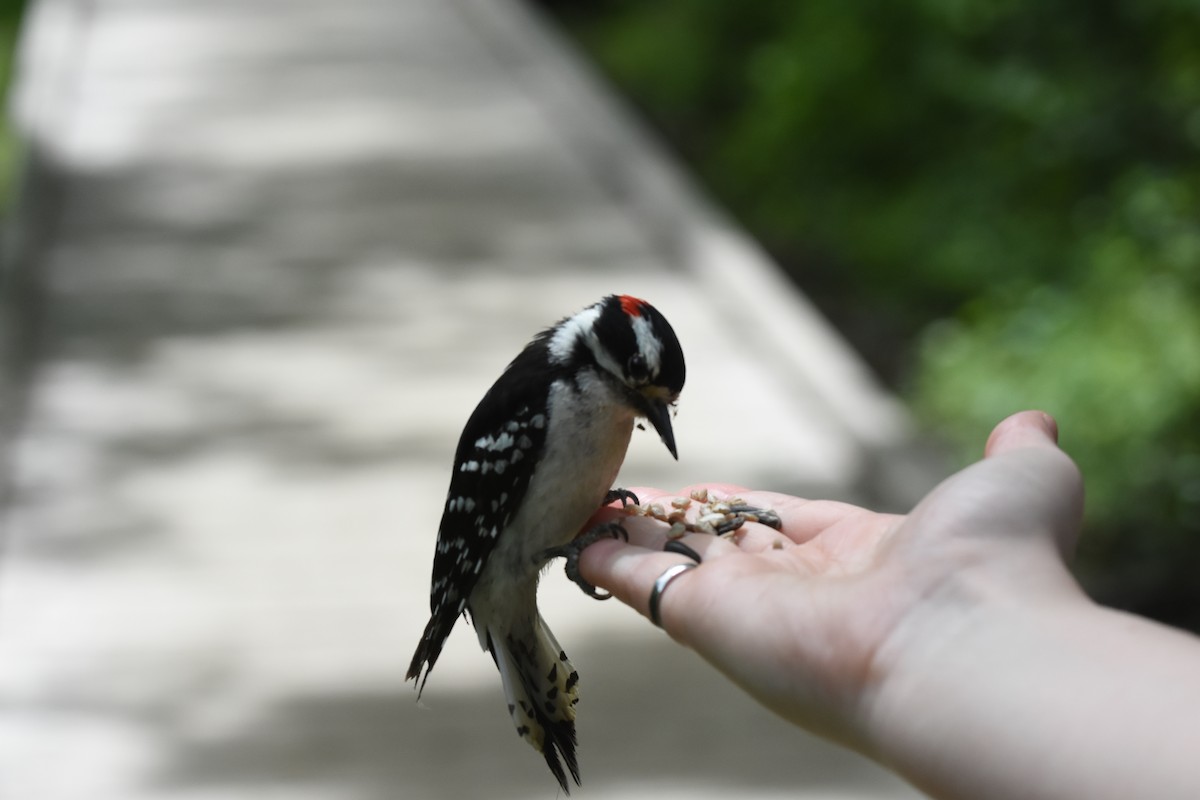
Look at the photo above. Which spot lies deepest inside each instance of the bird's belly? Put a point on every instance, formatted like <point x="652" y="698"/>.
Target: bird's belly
<point x="583" y="455"/>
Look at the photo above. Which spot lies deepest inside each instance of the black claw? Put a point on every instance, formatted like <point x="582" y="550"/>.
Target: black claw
<point x="676" y="546"/>
<point x="574" y="548"/>
<point x="624" y="495"/>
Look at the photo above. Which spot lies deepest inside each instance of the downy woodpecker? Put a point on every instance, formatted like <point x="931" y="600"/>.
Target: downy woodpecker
<point x="537" y="458"/>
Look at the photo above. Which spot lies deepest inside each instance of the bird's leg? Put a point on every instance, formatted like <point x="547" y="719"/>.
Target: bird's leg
<point x="574" y="548"/>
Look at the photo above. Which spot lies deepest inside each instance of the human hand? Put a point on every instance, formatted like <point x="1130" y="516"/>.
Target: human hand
<point x="818" y="619"/>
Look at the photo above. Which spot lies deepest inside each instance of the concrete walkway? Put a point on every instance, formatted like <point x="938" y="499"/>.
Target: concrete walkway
<point x="270" y="254"/>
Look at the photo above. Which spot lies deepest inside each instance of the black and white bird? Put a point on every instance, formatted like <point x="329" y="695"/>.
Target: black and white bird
<point x="537" y="458"/>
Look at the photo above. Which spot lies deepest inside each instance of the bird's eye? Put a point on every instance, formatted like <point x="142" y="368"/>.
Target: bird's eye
<point x="636" y="368"/>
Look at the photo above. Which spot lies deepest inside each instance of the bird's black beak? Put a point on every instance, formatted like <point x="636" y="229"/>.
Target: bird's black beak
<point x="659" y="414"/>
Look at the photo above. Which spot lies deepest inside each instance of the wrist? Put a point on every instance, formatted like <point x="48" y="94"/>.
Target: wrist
<point x="959" y="675"/>
<point x="1043" y="697"/>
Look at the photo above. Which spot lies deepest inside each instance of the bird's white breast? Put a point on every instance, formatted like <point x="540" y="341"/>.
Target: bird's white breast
<point x="588" y="431"/>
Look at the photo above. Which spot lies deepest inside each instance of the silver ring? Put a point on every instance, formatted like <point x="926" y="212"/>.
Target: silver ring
<point x="660" y="586"/>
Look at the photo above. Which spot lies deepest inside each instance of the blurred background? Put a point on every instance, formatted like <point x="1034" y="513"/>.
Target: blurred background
<point x="996" y="203"/>
<point x="10" y="22"/>
<point x="260" y="260"/>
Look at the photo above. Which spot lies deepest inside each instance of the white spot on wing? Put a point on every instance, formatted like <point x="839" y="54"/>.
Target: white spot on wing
<point x="501" y="442"/>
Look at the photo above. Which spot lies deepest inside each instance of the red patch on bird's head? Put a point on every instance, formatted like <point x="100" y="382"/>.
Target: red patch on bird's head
<point x="631" y="305"/>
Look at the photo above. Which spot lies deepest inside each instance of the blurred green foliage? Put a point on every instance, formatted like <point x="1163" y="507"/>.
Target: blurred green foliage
<point x="10" y="21"/>
<point x="998" y="202"/>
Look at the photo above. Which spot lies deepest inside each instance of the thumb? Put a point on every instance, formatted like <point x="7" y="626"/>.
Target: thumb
<point x="1023" y="429"/>
<point x="1028" y="441"/>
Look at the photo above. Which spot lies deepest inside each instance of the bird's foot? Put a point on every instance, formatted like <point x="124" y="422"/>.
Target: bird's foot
<point x="624" y="495"/>
<point x="574" y="548"/>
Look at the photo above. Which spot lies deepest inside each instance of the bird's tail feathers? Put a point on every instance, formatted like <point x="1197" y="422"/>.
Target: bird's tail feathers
<point x="541" y="688"/>
<point x="432" y="641"/>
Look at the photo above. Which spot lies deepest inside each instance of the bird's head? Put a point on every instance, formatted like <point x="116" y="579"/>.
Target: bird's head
<point x="633" y="344"/>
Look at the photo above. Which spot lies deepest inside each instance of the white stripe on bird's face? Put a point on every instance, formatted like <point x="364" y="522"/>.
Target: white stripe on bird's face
<point x="649" y="345"/>
<point x="570" y="331"/>
<point x="582" y="326"/>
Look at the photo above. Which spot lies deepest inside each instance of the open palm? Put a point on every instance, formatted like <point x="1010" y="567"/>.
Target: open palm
<point x="812" y="620"/>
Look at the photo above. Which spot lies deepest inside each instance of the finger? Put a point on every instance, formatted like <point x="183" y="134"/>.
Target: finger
<point x="1023" y="429"/>
<point x="705" y="545"/>
<point x="804" y="520"/>
<point x="653" y="535"/>
<point x="629" y="571"/>
<point x="1029" y="441"/>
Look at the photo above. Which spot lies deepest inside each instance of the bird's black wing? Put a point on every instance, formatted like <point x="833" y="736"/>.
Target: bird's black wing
<point x="497" y="453"/>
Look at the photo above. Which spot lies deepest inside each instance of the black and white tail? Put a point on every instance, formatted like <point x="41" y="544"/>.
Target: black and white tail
<point x="541" y="688"/>
<point x="432" y="641"/>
